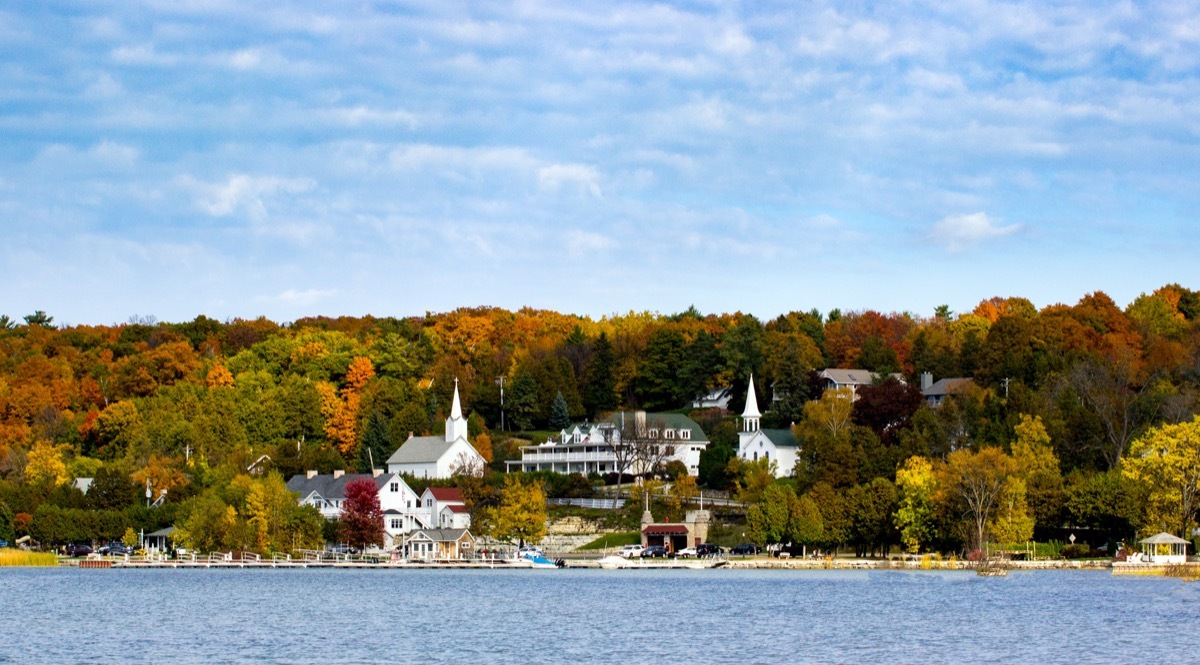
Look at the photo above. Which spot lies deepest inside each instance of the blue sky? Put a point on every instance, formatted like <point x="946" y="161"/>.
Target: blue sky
<point x="239" y="158"/>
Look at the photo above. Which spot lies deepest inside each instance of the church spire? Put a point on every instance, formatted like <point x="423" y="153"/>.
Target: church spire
<point x="751" y="414"/>
<point x="456" y="425"/>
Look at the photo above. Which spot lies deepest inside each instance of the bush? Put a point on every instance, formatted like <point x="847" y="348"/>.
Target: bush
<point x="1079" y="551"/>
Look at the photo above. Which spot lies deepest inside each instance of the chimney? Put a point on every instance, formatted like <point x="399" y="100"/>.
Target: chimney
<point x="375" y="473"/>
<point x="310" y="474"/>
<point x="409" y="435"/>
<point x="926" y="381"/>
<point x="338" y="473"/>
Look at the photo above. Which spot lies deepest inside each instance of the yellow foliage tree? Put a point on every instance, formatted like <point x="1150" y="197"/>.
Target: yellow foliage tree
<point x="358" y="374"/>
<point x="483" y="446"/>
<point x="46" y="464"/>
<point x="521" y="515"/>
<point x="1167" y="459"/>
<point x="341" y="422"/>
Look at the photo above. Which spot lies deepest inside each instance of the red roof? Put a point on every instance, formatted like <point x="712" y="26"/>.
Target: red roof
<point x="665" y="529"/>
<point x="457" y="508"/>
<point x="446" y="494"/>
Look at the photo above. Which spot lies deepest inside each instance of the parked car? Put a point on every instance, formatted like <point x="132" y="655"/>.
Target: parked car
<point x="342" y="548"/>
<point x="115" y="549"/>
<point x="708" y="549"/>
<point x="630" y="551"/>
<point x="78" y="549"/>
<point x="687" y="553"/>
<point x="654" y="552"/>
<point x="745" y="548"/>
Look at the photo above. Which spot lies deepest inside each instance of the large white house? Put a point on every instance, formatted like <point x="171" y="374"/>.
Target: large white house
<point x="439" y="456"/>
<point x="834" y="378"/>
<point x="775" y="445"/>
<point x="597" y="447"/>
<point x="404" y="511"/>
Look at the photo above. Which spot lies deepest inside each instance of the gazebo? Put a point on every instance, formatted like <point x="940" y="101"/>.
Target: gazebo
<point x="1155" y="548"/>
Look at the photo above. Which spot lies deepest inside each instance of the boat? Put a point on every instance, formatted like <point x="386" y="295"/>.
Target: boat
<point x="532" y="560"/>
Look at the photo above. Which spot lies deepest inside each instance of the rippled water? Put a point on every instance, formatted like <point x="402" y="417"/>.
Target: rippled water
<point x="574" y="616"/>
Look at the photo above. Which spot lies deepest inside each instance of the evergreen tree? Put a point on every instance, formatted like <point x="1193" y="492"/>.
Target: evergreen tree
<point x="376" y="443"/>
<point x="560" y="417"/>
<point x="522" y="401"/>
<point x="600" y="387"/>
<point x="657" y="386"/>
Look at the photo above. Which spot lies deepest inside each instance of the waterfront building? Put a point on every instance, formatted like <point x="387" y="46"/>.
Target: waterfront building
<point x="635" y="441"/>
<point x="440" y="544"/>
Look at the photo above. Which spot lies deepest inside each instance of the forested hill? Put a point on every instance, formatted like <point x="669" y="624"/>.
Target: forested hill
<point x="153" y="400"/>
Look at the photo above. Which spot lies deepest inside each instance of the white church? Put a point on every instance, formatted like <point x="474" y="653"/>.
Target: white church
<point x="440" y="456"/>
<point x="775" y="445"/>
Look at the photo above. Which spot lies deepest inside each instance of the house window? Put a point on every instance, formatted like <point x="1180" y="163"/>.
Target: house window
<point x="756" y="456"/>
<point x="395" y="487"/>
<point x="670" y="433"/>
<point x="653" y="434"/>
<point x="685" y="434"/>
<point x="428" y="503"/>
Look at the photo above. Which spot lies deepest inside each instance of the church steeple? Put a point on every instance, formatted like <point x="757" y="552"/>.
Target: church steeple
<point x="751" y="414"/>
<point x="456" y="425"/>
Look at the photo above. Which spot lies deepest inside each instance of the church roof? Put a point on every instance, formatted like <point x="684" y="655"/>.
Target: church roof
<point x="421" y="450"/>
<point x="456" y="406"/>
<point x="782" y="438"/>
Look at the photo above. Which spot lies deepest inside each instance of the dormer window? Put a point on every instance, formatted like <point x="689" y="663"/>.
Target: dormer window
<point x="685" y="434"/>
<point x="670" y="433"/>
<point x="653" y="434"/>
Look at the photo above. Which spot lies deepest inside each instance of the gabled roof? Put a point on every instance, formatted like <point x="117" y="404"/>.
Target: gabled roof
<point x="849" y="377"/>
<point x="946" y="386"/>
<point x="421" y="450"/>
<point x="457" y="508"/>
<point x="441" y="535"/>
<point x="446" y="494"/>
<point x="782" y="438"/>
<point x="328" y="487"/>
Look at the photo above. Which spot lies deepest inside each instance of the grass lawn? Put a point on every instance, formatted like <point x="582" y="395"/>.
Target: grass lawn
<point x="613" y="540"/>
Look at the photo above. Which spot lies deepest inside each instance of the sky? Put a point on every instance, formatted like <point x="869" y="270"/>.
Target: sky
<point x="241" y="158"/>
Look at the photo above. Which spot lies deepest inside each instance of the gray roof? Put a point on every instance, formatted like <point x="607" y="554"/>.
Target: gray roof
<point x="441" y="535"/>
<point x="421" y="450"/>
<point x="946" y="386"/>
<point x="846" y="377"/>
<point x="328" y="487"/>
<point x="782" y="437"/>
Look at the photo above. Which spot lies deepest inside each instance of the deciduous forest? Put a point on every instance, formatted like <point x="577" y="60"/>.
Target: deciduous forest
<point x="1061" y="399"/>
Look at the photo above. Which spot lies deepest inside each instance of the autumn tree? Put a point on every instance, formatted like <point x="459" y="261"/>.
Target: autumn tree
<point x="1167" y="459"/>
<point x="521" y="515"/>
<point x="361" y="523"/>
<point x="916" y="483"/>
<point x="979" y="479"/>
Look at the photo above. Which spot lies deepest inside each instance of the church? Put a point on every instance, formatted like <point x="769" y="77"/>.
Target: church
<point x="440" y="456"/>
<point x="775" y="445"/>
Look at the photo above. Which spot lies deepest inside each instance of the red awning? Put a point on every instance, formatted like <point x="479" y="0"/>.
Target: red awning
<point x="665" y="530"/>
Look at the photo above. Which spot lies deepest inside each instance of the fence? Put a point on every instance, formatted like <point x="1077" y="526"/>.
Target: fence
<point x="602" y="504"/>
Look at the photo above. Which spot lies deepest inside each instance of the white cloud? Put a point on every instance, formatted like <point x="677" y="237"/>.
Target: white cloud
<point x="584" y="177"/>
<point x="244" y="192"/>
<point x="584" y="243"/>
<point x="958" y="233"/>
<point x="297" y="298"/>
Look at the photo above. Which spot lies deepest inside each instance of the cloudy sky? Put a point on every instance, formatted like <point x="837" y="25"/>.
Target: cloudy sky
<point x="237" y="158"/>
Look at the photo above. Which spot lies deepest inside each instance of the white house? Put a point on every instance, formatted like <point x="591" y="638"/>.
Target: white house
<point x="445" y="508"/>
<point x="439" y="456"/>
<point x="755" y="443"/>
<point x="403" y="509"/>
<point x="591" y="447"/>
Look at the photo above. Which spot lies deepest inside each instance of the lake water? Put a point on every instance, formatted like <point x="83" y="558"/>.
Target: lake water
<point x="179" y="617"/>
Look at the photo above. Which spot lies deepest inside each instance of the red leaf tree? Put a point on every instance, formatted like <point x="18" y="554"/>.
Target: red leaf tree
<point x="362" y="518"/>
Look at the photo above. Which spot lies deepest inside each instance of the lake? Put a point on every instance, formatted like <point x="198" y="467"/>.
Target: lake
<point x="180" y="617"/>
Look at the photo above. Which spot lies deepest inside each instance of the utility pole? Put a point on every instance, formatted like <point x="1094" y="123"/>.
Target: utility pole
<point x="500" y="380"/>
<point x="1006" y="380"/>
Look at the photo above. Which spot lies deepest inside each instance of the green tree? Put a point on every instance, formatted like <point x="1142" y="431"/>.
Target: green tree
<point x="600" y="384"/>
<point x="657" y="381"/>
<point x="376" y="443"/>
<point x="521" y="515"/>
<point x="560" y="417"/>
<point x="1167" y="459"/>
<point x="1038" y="470"/>
<point x="521" y="404"/>
<point x="39" y="318"/>
<point x="6" y="523"/>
